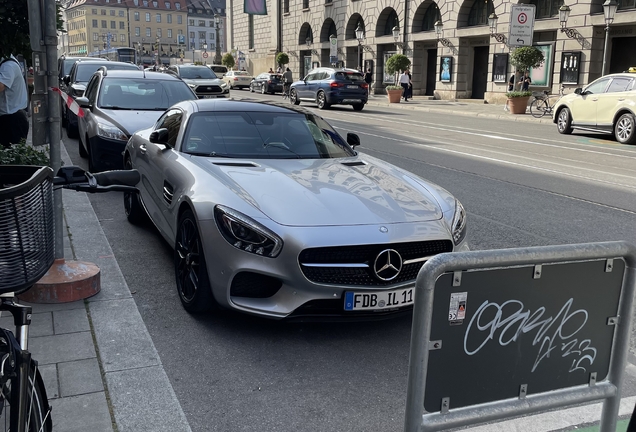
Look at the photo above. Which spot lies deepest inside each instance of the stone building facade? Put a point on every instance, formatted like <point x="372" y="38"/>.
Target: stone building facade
<point x="465" y="61"/>
<point x="96" y="24"/>
<point x="201" y="26"/>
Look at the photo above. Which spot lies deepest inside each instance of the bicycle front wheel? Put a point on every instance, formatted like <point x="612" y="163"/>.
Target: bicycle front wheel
<point x="37" y="410"/>
<point x="539" y="107"/>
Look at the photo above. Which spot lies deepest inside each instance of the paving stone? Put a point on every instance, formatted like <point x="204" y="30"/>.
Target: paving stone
<point x="83" y="413"/>
<point x="80" y="377"/>
<point x="41" y="324"/>
<point x="49" y="375"/>
<point x="62" y="348"/>
<point x="70" y="321"/>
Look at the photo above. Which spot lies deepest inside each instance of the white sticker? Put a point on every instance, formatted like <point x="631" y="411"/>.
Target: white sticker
<point x="457" y="307"/>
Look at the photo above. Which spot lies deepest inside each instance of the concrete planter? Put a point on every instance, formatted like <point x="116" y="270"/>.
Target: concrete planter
<point x="518" y="105"/>
<point x="394" y="95"/>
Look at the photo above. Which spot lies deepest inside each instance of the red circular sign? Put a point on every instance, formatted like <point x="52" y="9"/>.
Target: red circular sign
<point x="205" y="55"/>
<point x="522" y="18"/>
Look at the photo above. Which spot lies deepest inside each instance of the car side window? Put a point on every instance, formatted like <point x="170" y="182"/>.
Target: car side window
<point x="619" y="85"/>
<point x="597" y="87"/>
<point x="311" y="77"/>
<point x="91" y="89"/>
<point x="171" y="120"/>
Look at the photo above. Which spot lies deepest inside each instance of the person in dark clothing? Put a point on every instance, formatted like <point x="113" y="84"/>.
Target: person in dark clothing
<point x="368" y="78"/>
<point x="525" y="82"/>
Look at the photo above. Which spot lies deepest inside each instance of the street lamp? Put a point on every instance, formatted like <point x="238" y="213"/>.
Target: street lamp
<point x="492" y="23"/>
<point x="609" y="9"/>
<point x="396" y="36"/>
<point x="217" y="50"/>
<point x="360" y="37"/>
<point x="564" y="14"/>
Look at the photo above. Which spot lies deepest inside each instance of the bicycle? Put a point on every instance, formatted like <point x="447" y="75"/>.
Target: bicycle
<point x="286" y="87"/>
<point x="542" y="103"/>
<point x="27" y="247"/>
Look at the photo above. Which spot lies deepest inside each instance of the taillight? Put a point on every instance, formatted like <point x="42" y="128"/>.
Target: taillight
<point x="269" y="81"/>
<point x="235" y="78"/>
<point x="365" y="85"/>
<point x="336" y="84"/>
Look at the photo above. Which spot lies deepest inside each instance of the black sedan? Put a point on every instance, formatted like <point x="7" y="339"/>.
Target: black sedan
<point x="116" y="104"/>
<point x="267" y="83"/>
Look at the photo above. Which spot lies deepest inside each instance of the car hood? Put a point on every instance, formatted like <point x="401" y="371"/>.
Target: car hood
<point x="323" y="192"/>
<point x="206" y="81"/>
<point x="130" y="121"/>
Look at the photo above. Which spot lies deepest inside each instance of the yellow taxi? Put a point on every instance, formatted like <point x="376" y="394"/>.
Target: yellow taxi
<point x="607" y="105"/>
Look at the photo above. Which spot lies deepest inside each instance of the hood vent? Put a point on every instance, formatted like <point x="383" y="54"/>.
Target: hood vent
<point x="237" y="164"/>
<point x="356" y="163"/>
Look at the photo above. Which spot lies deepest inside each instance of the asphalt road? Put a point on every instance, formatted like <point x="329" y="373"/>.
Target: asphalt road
<point x="522" y="184"/>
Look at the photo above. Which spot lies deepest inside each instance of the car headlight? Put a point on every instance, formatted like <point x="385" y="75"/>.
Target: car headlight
<point x="458" y="227"/>
<point x="246" y="234"/>
<point x="223" y="84"/>
<point x="108" y="130"/>
<point x="192" y="85"/>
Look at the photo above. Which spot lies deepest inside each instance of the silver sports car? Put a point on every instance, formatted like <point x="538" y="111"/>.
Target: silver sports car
<point x="271" y="212"/>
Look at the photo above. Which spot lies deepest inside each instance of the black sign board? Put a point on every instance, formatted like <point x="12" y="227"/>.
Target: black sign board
<point x="500" y="68"/>
<point x="570" y="65"/>
<point x="545" y="328"/>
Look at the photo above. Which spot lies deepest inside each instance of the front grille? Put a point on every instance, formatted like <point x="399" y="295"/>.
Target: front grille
<point x="211" y="89"/>
<point x="366" y="254"/>
<point x="254" y="285"/>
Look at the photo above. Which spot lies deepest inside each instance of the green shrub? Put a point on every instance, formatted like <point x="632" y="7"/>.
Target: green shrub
<point x="22" y="154"/>
<point x="516" y="94"/>
<point x="394" y="87"/>
<point x="228" y="61"/>
<point x="524" y="58"/>
<point x="396" y="63"/>
<point x="282" y="58"/>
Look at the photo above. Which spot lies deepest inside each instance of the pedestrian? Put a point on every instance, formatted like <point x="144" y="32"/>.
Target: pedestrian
<point x="511" y="87"/>
<point x="405" y="82"/>
<point x="525" y="82"/>
<point x="368" y="78"/>
<point x="279" y="70"/>
<point x="288" y="79"/>
<point x="410" y="89"/>
<point x="271" y="71"/>
<point x="14" y="123"/>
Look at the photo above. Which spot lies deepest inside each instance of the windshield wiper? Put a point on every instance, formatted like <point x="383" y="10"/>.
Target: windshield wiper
<point x="280" y="145"/>
<point x="208" y="154"/>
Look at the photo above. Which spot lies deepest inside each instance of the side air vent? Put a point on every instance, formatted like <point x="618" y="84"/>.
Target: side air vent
<point x="236" y="164"/>
<point x="352" y="164"/>
<point x="168" y="192"/>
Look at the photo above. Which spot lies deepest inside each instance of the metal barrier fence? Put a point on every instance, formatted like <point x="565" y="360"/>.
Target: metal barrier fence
<point x="508" y="332"/>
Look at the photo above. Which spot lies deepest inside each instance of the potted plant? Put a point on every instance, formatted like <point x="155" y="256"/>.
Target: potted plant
<point x="523" y="58"/>
<point x="282" y="59"/>
<point x="394" y="64"/>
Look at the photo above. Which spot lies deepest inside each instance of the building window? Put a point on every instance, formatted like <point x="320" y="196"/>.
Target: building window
<point x="191" y="22"/>
<point x="478" y="14"/>
<point x="391" y="21"/>
<point x="191" y="35"/>
<point x="122" y="38"/>
<point x="179" y="32"/>
<point x="145" y="3"/>
<point x="202" y="35"/>
<point x="104" y="24"/>
<point x="547" y="8"/>
<point x="113" y="24"/>
<point x="285" y="6"/>
<point x="177" y="6"/>
<point x="136" y="2"/>
<point x="147" y="16"/>
<point x="137" y="31"/>
<point x="159" y="18"/>
<point x="305" y="4"/>
<point x="112" y="12"/>
<point x="95" y="36"/>
<point x="169" y="18"/>
<point x="626" y="4"/>
<point x="158" y="32"/>
<point x="94" y="23"/>
<point x="211" y="36"/>
<point x="167" y="5"/>
<point x="103" y="11"/>
<point x="431" y="16"/>
<point x="201" y="23"/>
<point x="136" y="16"/>
<point x="179" y="18"/>
<point x="121" y="13"/>
<point x="148" y="32"/>
<point x="154" y="3"/>
<point x="121" y="25"/>
<point x="250" y="26"/>
<point x="169" y="33"/>
<point x="94" y="11"/>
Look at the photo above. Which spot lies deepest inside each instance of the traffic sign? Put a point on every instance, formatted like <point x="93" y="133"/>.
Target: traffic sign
<point x="205" y="55"/>
<point x="521" y="25"/>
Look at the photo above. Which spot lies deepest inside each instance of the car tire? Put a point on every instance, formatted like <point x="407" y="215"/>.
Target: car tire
<point x="63" y="117"/>
<point x="263" y="89"/>
<point x="321" y="100"/>
<point x="625" y="129"/>
<point x="251" y="88"/>
<point x="133" y="209"/>
<point x="564" y="121"/>
<point x="82" y="151"/>
<point x="358" y="107"/>
<point x="293" y="97"/>
<point x="193" y="283"/>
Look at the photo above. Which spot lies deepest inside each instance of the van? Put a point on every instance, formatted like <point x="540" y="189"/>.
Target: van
<point x="219" y="70"/>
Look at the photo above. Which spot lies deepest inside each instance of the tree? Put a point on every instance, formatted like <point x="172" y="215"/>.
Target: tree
<point x="524" y="58"/>
<point x="396" y="63"/>
<point x="282" y="59"/>
<point x="228" y="61"/>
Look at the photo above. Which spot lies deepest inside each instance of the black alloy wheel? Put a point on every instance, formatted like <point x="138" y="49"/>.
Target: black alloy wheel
<point x="193" y="283"/>
<point x="133" y="209"/>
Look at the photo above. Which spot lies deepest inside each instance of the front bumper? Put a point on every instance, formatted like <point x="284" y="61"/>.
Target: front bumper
<point x="106" y="153"/>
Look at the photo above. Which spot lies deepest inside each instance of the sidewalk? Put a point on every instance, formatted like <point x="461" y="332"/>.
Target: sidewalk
<point x="100" y="367"/>
<point x="460" y="107"/>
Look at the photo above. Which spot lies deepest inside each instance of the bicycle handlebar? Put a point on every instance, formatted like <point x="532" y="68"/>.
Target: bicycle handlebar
<point x="75" y="178"/>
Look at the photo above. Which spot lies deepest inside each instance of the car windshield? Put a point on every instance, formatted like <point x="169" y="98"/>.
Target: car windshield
<point x="221" y="69"/>
<point x="197" y="73"/>
<point x="142" y="94"/>
<point x="85" y="71"/>
<point x="263" y="135"/>
<point x="349" y="76"/>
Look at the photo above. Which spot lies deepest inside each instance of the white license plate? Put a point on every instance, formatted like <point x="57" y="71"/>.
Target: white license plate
<point x="209" y="97"/>
<point x="351" y="100"/>
<point x="352" y="86"/>
<point x="378" y="300"/>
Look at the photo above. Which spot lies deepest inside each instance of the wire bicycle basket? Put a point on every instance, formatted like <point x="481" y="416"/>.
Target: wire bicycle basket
<point x="27" y="226"/>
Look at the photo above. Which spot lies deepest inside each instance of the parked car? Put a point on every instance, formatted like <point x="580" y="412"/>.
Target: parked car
<point x="117" y="104"/>
<point x="330" y="86"/>
<point x="64" y="65"/>
<point x="272" y="213"/>
<point x="202" y="80"/>
<point x="219" y="70"/>
<point x="267" y="83"/>
<point x="238" y="79"/>
<point x="607" y="105"/>
<point x="81" y="72"/>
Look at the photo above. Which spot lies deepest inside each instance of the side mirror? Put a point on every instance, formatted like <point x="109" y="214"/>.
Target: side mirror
<point x="66" y="79"/>
<point x="160" y="136"/>
<point x="578" y="91"/>
<point x="83" y="102"/>
<point x="353" y="139"/>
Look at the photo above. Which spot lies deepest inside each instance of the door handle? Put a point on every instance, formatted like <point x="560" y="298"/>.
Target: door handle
<point x="143" y="149"/>
<point x="594" y="99"/>
<point x="621" y="99"/>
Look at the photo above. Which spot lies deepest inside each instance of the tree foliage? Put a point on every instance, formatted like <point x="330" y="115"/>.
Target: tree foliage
<point x="396" y="63"/>
<point x="228" y="61"/>
<point x="23" y="154"/>
<point x="524" y="58"/>
<point x="282" y="58"/>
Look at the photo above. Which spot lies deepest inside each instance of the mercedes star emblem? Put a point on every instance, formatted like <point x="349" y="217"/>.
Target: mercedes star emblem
<point x="387" y="265"/>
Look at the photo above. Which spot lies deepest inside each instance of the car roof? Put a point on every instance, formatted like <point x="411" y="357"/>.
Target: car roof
<point x="229" y="105"/>
<point x="132" y="73"/>
<point x="336" y="69"/>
